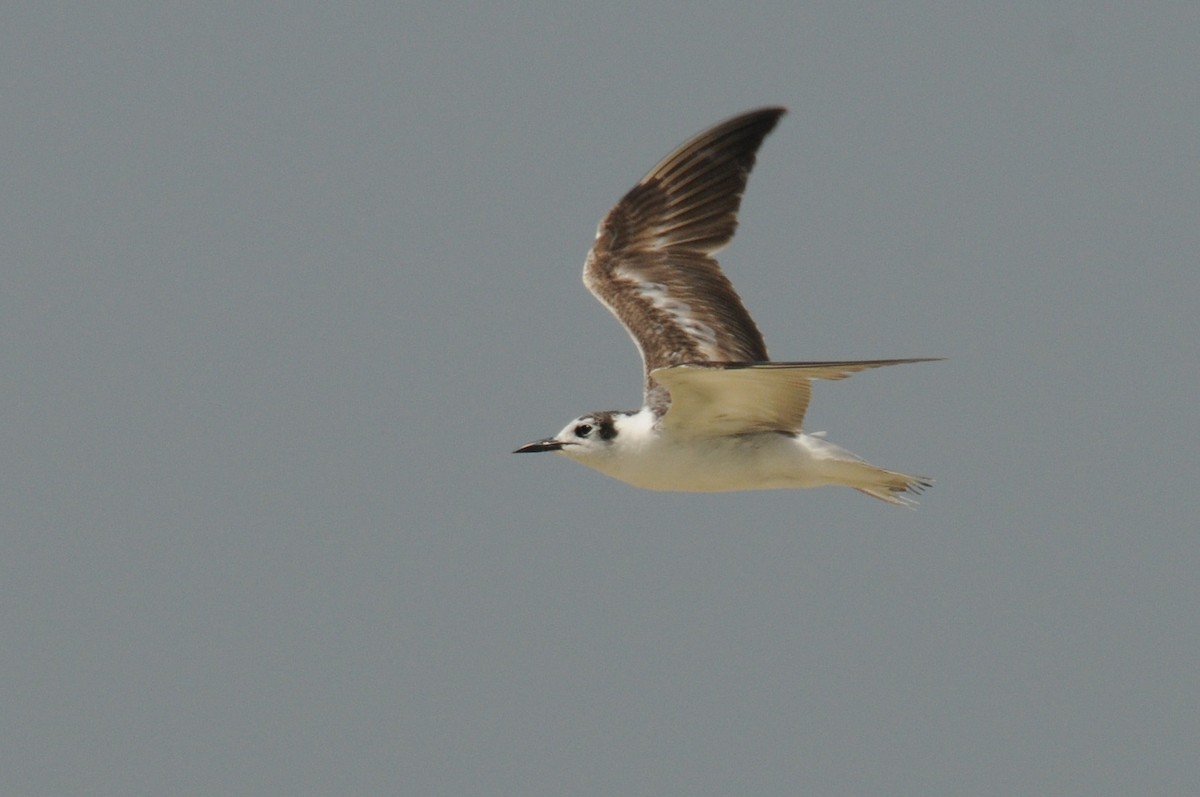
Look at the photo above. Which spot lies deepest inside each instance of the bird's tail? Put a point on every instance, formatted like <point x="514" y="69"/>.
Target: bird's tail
<point x="895" y="488"/>
<point x="843" y="467"/>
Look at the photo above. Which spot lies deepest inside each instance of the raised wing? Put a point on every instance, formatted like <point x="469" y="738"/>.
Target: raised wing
<point x="651" y="264"/>
<point x="741" y="398"/>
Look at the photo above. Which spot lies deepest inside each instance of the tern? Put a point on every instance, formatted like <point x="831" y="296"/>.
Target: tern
<point x="717" y="414"/>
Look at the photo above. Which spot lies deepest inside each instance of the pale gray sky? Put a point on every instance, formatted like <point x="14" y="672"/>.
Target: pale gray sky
<point x="285" y="284"/>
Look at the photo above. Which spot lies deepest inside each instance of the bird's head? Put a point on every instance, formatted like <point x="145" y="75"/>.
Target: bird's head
<point x="587" y="436"/>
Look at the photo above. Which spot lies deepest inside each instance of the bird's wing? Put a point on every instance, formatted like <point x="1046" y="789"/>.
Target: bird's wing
<point x="719" y="399"/>
<point x="652" y="265"/>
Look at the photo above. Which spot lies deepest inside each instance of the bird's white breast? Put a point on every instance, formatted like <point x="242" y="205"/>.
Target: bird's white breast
<point x="653" y="461"/>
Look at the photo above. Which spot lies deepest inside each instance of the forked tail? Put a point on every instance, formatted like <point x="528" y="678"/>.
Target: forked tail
<point x="840" y="466"/>
<point x="895" y="488"/>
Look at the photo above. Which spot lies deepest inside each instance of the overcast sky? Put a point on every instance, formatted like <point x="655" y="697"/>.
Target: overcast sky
<point x="284" y="285"/>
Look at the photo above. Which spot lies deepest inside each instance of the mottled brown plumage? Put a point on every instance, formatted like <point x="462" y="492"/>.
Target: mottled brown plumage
<point x="652" y="263"/>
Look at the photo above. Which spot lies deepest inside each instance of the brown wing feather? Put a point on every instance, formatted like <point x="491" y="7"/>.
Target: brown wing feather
<point x="651" y="263"/>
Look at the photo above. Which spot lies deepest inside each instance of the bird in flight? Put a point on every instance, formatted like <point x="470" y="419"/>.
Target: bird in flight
<point x="717" y="414"/>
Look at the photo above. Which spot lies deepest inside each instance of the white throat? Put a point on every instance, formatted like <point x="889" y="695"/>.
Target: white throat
<point x="635" y="431"/>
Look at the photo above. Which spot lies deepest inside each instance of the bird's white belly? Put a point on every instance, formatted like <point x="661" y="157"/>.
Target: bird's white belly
<point x="742" y="462"/>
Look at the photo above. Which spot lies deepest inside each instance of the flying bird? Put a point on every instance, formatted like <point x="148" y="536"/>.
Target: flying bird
<point x="717" y="415"/>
